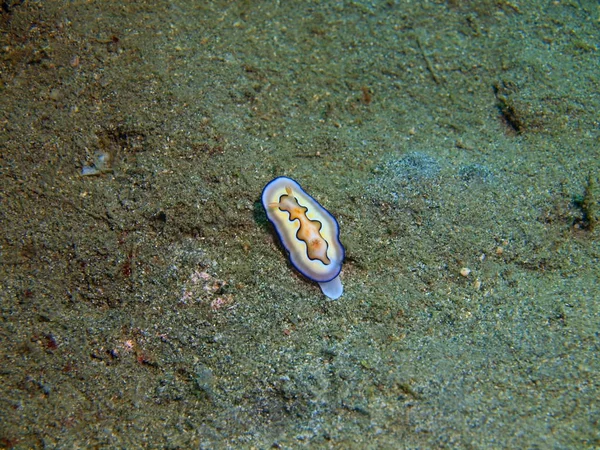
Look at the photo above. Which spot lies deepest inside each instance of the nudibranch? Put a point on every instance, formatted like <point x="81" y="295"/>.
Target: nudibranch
<point x="309" y="233"/>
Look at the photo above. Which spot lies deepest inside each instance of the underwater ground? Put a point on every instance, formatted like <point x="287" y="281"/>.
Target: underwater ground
<point x="146" y="301"/>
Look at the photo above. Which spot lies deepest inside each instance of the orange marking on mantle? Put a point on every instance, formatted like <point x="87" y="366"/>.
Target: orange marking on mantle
<point x="309" y="231"/>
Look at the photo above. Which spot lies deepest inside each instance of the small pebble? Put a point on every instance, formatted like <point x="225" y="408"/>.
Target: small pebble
<point x="87" y="171"/>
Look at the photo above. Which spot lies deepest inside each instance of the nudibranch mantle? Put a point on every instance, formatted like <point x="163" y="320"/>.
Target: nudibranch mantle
<point x="309" y="233"/>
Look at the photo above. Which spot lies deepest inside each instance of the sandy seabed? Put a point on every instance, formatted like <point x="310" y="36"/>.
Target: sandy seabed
<point x="145" y="300"/>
